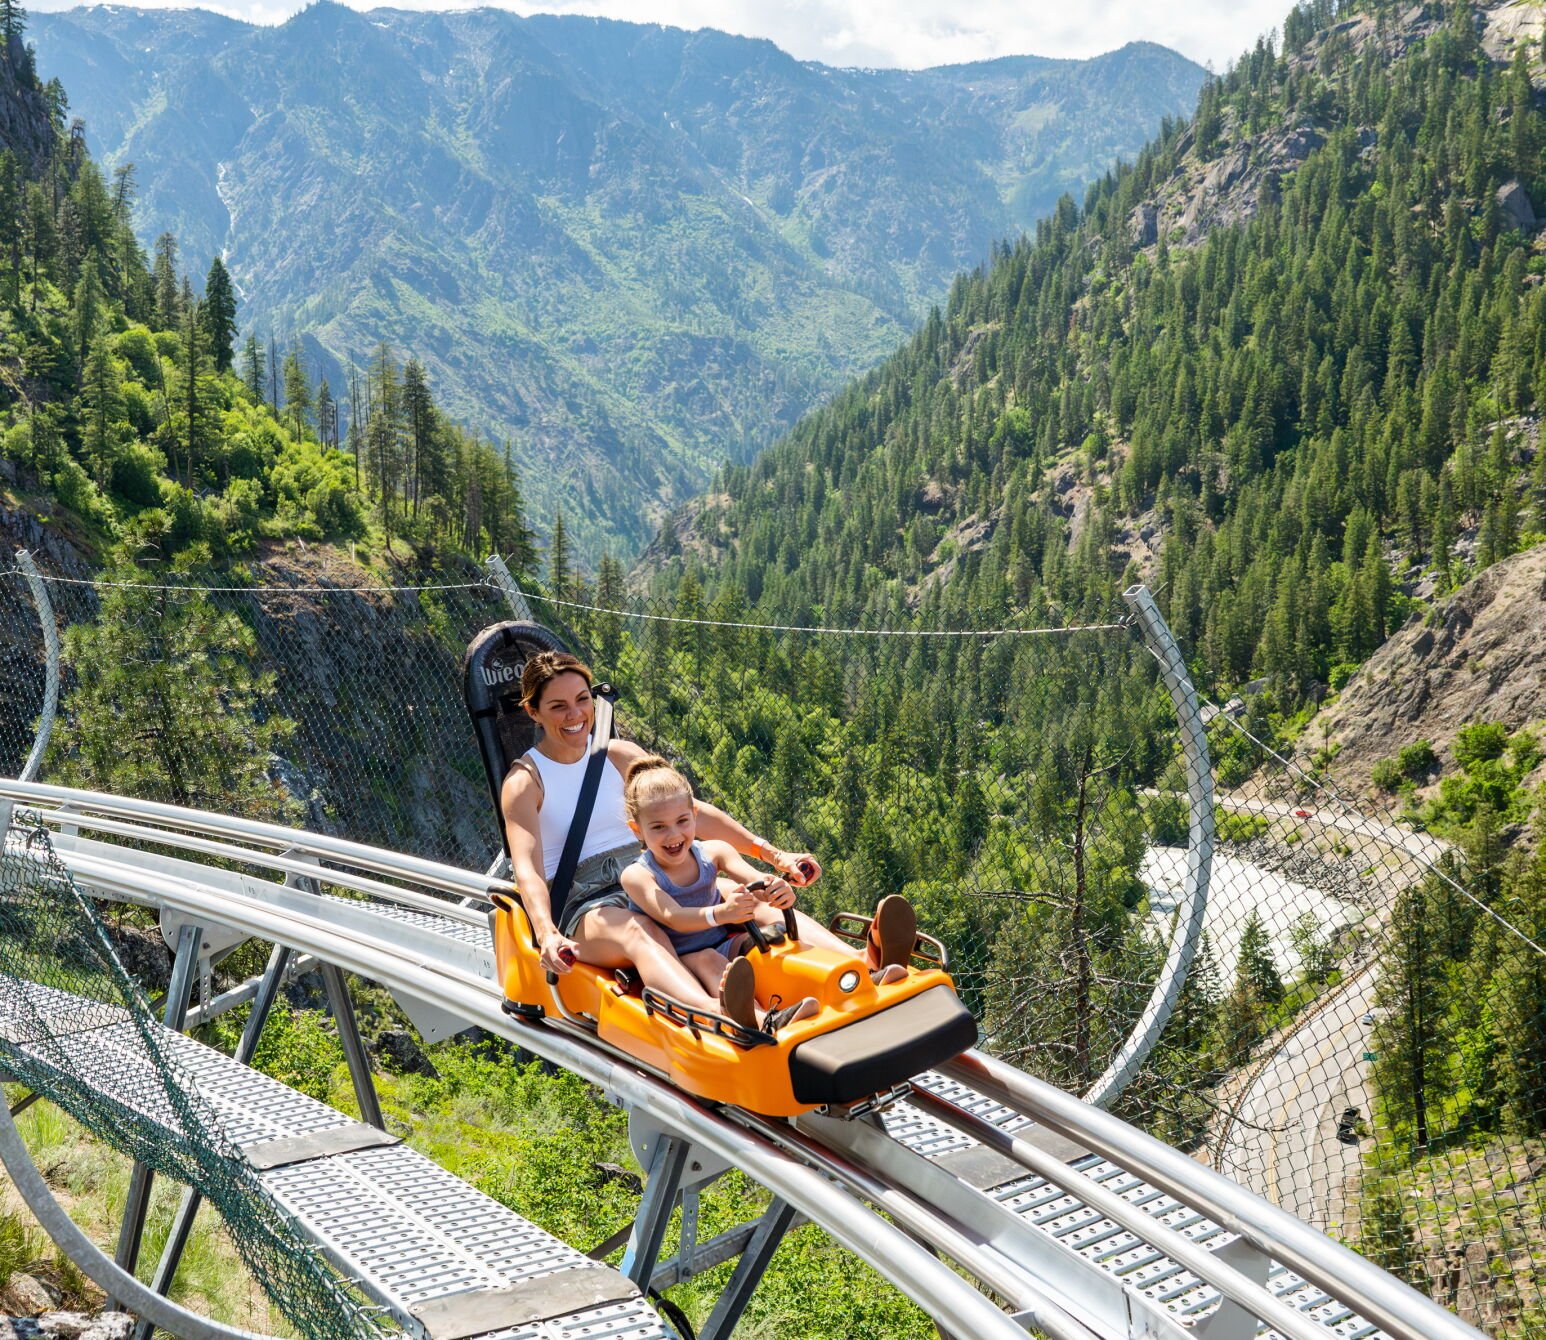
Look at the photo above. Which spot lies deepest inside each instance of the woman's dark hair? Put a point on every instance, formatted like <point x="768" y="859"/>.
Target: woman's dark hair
<point x="546" y="666"/>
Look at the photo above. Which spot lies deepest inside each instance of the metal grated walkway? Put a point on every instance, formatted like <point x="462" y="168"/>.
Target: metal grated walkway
<point x="1058" y="1211"/>
<point x="444" y="1260"/>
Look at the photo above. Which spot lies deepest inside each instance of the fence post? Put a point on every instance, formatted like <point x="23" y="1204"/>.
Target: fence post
<point x="45" y="609"/>
<point x="1199" y="852"/>
<point x="499" y="574"/>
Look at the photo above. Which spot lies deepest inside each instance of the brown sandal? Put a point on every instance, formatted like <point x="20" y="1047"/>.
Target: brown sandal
<point x="738" y="993"/>
<point x="893" y="932"/>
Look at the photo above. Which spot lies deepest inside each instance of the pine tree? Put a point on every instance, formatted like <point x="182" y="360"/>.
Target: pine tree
<point x="102" y="400"/>
<point x="273" y="376"/>
<point x="164" y="274"/>
<point x="560" y="562"/>
<point x="1410" y="1037"/>
<point x="298" y="405"/>
<point x="13" y="23"/>
<point x="218" y="312"/>
<point x="195" y="395"/>
<point x="88" y="312"/>
<point x="327" y="415"/>
<point x="168" y="703"/>
<point x="1257" y="967"/>
<point x="253" y="369"/>
<point x="418" y="412"/>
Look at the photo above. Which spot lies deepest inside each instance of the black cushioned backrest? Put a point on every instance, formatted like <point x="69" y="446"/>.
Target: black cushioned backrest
<point x="491" y="685"/>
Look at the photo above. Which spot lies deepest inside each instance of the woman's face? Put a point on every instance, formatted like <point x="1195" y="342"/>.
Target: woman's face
<point x="667" y="827"/>
<point x="565" y="709"/>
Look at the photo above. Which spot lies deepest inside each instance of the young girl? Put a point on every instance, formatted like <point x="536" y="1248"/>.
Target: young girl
<point x="676" y="883"/>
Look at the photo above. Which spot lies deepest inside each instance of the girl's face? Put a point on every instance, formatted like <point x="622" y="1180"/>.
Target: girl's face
<point x="667" y="827"/>
<point x="565" y="709"/>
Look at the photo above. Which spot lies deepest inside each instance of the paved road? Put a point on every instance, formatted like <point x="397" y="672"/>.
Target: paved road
<point x="1283" y="1145"/>
<point x="1423" y="845"/>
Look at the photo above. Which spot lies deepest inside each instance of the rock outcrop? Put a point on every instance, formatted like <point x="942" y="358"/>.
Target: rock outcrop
<point x="25" y="128"/>
<point x="1478" y="656"/>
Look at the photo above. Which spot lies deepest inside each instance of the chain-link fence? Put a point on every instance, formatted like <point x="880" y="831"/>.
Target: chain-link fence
<point x="1358" y="1032"/>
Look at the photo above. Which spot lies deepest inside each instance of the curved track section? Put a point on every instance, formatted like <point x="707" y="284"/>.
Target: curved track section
<point x="1079" y="1224"/>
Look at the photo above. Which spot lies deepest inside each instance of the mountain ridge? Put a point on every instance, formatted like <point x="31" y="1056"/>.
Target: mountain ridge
<point x="634" y="250"/>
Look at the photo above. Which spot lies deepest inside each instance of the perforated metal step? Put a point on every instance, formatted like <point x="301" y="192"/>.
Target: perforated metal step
<point x="446" y="1261"/>
<point x="1057" y="1210"/>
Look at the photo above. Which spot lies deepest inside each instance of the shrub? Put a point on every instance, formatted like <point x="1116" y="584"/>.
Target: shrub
<point x="1479" y="742"/>
<point x="137" y="347"/>
<point x="1386" y="774"/>
<point x="1166" y="815"/>
<point x="1417" y="760"/>
<point x="75" y="491"/>
<point x="136" y="475"/>
<point x="1239" y="827"/>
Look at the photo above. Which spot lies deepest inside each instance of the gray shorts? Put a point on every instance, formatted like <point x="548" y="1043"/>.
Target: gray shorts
<point x="596" y="884"/>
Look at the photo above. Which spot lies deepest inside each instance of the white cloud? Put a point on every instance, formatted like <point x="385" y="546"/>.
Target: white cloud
<point x="907" y="33"/>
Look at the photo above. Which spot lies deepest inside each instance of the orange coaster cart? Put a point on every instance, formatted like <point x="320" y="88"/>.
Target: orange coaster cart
<point x="863" y="1044"/>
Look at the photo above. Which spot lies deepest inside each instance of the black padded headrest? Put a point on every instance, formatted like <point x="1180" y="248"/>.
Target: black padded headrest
<point x="491" y="685"/>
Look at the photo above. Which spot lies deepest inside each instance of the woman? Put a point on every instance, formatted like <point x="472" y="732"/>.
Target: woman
<point x="597" y="926"/>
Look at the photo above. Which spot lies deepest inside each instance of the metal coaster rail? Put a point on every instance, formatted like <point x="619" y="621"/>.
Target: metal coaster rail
<point x="844" y="1176"/>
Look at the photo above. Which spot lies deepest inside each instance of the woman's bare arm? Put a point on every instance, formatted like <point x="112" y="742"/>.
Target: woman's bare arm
<point x="521" y="802"/>
<point x="798" y="867"/>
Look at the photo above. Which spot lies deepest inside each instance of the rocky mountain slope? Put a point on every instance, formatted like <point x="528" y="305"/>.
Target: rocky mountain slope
<point x="633" y="250"/>
<point x="1477" y="656"/>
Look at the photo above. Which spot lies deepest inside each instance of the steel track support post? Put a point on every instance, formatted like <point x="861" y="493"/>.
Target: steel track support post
<point x="499" y="574"/>
<point x="184" y="968"/>
<point x="45" y="609"/>
<point x="664" y="1178"/>
<point x="354" y="1047"/>
<point x="1151" y="1023"/>
<point x="775" y="1222"/>
<point x="188" y="1207"/>
<point x="338" y="999"/>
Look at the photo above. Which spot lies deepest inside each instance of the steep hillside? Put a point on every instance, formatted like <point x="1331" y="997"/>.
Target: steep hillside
<point x="1477" y="656"/>
<point x="635" y="251"/>
<point x="1278" y="367"/>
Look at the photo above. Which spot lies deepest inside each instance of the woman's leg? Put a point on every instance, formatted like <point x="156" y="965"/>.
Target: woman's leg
<point x="613" y="937"/>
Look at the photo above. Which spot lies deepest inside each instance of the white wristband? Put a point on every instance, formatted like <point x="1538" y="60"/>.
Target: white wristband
<point x="713" y="913"/>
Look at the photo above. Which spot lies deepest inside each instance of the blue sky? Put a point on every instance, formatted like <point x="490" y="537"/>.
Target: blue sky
<point x="907" y="33"/>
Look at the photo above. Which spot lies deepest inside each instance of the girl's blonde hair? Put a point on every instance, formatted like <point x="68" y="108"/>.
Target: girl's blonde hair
<point x="650" y="779"/>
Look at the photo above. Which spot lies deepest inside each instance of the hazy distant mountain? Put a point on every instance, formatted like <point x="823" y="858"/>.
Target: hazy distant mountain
<point x="633" y="250"/>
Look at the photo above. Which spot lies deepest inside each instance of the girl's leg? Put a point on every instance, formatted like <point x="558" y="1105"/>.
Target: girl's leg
<point x="708" y="966"/>
<point x="613" y="937"/>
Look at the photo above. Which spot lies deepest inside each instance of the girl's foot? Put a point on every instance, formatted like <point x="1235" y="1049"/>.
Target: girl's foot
<point x="893" y="933"/>
<point x="738" y="993"/>
<point x="892" y="972"/>
<point x="776" y="1018"/>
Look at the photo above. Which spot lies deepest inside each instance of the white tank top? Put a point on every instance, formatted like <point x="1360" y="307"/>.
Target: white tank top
<point x="608" y="828"/>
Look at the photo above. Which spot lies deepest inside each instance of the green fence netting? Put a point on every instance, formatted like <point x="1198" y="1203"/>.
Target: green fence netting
<point x="77" y="1029"/>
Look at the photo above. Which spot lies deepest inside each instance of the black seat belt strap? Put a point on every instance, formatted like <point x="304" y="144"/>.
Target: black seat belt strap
<point x="563" y="877"/>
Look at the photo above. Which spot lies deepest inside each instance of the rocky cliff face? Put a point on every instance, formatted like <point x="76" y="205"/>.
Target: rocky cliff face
<point x="382" y="751"/>
<point x="1478" y="656"/>
<point x="24" y="123"/>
